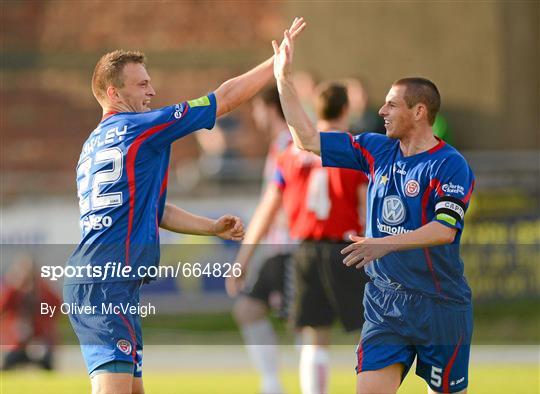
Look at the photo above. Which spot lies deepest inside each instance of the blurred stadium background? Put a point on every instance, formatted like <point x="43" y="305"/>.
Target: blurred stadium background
<point x="484" y="56"/>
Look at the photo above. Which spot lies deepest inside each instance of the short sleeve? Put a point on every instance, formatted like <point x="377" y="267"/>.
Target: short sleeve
<point x="456" y="184"/>
<point x="342" y="150"/>
<point x="182" y="119"/>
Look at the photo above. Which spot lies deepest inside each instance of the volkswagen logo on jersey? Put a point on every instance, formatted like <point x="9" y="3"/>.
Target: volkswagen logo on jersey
<point x="412" y="188"/>
<point x="124" y="345"/>
<point x="393" y="210"/>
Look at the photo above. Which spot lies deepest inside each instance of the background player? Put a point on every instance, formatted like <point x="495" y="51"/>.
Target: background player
<point x="122" y="184"/>
<point x="323" y="208"/>
<point x="418" y="193"/>
<point x="30" y="336"/>
<point x="267" y="281"/>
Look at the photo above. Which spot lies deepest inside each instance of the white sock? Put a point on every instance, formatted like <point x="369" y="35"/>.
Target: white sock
<point x="261" y="344"/>
<point x="314" y="371"/>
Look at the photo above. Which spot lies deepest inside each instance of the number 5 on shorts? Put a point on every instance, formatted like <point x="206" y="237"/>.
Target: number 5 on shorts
<point x="436" y="379"/>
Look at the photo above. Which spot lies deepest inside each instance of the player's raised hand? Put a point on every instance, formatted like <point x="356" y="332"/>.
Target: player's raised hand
<point x="283" y="54"/>
<point x="363" y="251"/>
<point x="297" y="26"/>
<point x="229" y="227"/>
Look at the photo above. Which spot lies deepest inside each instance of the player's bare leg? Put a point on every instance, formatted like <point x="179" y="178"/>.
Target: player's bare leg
<point x="381" y="381"/>
<point x="137" y="386"/>
<point x="112" y="383"/>
<point x="248" y="310"/>
<point x="318" y="336"/>
<point x="430" y="391"/>
<point x="259" y="337"/>
<point x="314" y="360"/>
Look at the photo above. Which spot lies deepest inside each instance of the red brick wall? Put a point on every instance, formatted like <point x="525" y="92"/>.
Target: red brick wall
<point x="50" y="49"/>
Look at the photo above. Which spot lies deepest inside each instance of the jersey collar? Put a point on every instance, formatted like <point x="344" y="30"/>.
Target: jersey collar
<point x="108" y="114"/>
<point x="430" y="151"/>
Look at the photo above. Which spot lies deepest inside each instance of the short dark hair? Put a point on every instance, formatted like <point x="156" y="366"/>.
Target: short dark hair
<point x="331" y="100"/>
<point x="270" y="97"/>
<point x="108" y="70"/>
<point x="421" y="90"/>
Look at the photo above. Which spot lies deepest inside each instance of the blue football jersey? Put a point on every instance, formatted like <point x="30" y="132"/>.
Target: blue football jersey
<point x="405" y="193"/>
<point x="122" y="185"/>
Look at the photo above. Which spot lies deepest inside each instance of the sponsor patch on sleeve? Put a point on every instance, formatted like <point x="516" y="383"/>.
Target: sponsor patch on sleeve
<point x="203" y="101"/>
<point x="450" y="208"/>
<point x="180" y="110"/>
<point x="451" y="188"/>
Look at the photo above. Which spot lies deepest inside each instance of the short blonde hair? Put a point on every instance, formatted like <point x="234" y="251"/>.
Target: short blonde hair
<point x="108" y="70"/>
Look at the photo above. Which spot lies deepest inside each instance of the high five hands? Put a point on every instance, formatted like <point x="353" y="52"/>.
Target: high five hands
<point x="283" y="54"/>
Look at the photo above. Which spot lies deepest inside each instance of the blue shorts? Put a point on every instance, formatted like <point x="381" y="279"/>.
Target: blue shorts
<point x="401" y="325"/>
<point x="106" y="332"/>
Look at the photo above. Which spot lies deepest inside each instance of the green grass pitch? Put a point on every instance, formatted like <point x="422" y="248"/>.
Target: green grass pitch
<point x="484" y="379"/>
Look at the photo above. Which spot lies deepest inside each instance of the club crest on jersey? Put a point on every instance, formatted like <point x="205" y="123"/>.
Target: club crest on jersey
<point x="124" y="346"/>
<point x="412" y="188"/>
<point x="179" y="110"/>
<point x="393" y="210"/>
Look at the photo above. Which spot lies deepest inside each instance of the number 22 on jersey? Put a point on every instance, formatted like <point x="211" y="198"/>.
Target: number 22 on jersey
<point x="86" y="177"/>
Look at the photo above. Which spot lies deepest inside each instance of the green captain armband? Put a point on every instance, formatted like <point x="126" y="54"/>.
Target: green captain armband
<point x="450" y="210"/>
<point x="446" y="218"/>
<point x="203" y="101"/>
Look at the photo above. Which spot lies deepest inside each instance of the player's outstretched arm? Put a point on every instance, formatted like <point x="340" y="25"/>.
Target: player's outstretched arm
<point x="258" y="227"/>
<point x="180" y="221"/>
<point x="365" y="250"/>
<point x="237" y="90"/>
<point x="304" y="134"/>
